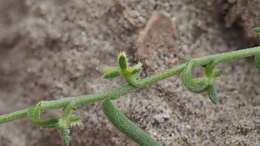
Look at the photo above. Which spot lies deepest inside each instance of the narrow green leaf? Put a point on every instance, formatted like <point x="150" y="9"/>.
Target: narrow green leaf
<point x="212" y="94"/>
<point x="126" y="126"/>
<point x="34" y="114"/>
<point x="49" y="123"/>
<point x="111" y="72"/>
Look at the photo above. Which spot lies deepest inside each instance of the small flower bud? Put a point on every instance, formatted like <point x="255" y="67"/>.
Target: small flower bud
<point x="122" y="61"/>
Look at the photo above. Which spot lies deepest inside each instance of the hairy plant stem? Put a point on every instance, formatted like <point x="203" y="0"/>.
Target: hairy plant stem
<point x="126" y="88"/>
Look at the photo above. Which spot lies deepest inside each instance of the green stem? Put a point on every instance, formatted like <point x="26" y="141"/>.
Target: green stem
<point x="123" y="89"/>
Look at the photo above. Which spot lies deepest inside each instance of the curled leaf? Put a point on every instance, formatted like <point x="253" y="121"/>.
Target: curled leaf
<point x="194" y="85"/>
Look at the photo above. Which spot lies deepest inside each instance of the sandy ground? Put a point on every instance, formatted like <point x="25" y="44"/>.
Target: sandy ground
<point x="55" y="48"/>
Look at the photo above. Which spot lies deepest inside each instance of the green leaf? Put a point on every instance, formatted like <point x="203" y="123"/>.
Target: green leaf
<point x="126" y="126"/>
<point x="111" y="72"/>
<point x="257" y="61"/>
<point x="122" y="61"/>
<point x="34" y="114"/>
<point x="135" y="69"/>
<point x="49" y="123"/>
<point x="212" y="94"/>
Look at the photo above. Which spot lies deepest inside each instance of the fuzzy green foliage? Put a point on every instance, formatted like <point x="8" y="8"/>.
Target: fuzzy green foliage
<point x="63" y="123"/>
<point x="129" y="73"/>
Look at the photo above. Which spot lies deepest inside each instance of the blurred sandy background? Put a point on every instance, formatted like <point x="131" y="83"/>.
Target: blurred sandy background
<point x="55" y="48"/>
